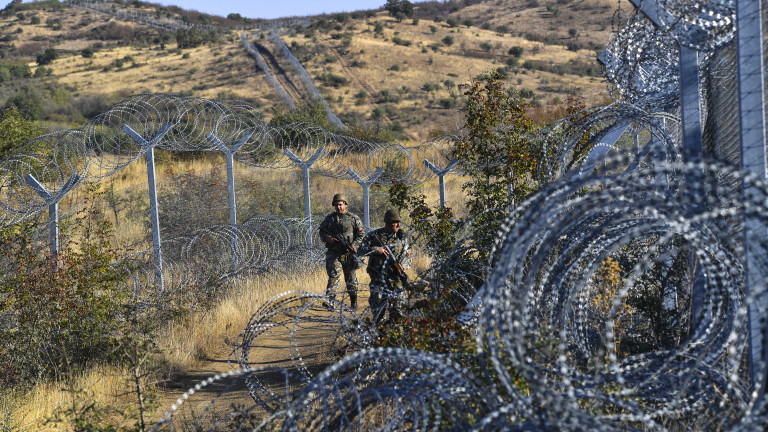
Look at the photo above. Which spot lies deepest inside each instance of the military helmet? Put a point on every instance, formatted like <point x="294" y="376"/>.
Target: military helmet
<point x="391" y="216"/>
<point x="339" y="197"/>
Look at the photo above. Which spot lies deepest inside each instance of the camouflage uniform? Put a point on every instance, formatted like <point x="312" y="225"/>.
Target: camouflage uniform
<point x="386" y="286"/>
<point x="338" y="259"/>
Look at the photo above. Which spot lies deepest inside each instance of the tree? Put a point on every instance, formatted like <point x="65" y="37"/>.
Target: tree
<point x="495" y="153"/>
<point x="15" y="130"/>
<point x="399" y="9"/>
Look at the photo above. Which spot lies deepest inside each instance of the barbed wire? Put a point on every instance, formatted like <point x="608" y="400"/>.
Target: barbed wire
<point x="549" y="327"/>
<point x="615" y="298"/>
<point x="702" y="25"/>
<point x="116" y="138"/>
<point x="641" y="65"/>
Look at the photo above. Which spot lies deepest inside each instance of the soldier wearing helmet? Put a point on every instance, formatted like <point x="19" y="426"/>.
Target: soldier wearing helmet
<point x="342" y="232"/>
<point x="389" y="256"/>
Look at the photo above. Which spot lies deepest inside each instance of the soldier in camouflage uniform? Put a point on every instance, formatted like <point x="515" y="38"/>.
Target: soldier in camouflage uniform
<point x="342" y="232"/>
<point x="386" y="246"/>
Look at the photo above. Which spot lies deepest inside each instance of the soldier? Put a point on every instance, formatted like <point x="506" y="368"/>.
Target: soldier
<point x="389" y="252"/>
<point x="342" y="233"/>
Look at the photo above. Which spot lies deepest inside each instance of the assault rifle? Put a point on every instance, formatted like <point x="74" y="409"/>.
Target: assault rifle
<point x="347" y="246"/>
<point x="401" y="274"/>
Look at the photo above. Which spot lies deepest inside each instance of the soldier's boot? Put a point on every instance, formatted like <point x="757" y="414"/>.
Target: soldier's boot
<point x="331" y="299"/>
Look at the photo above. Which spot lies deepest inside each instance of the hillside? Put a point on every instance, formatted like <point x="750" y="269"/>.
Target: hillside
<point x="401" y="78"/>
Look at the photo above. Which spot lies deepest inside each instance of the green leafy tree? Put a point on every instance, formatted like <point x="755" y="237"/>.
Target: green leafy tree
<point x="496" y="154"/>
<point x="399" y="9"/>
<point x="15" y="130"/>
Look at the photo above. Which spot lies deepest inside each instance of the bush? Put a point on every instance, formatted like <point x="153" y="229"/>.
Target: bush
<point x="430" y="87"/>
<point x="28" y="102"/>
<point x="15" y="130"/>
<point x="329" y="79"/>
<point x="515" y="51"/>
<point x="193" y="38"/>
<point x="59" y="315"/>
<point x="448" y="40"/>
<point x="402" y="42"/>
<point x="43" y="71"/>
<point x="88" y="52"/>
<point x="574" y="46"/>
<point x="47" y="56"/>
<point x="112" y="31"/>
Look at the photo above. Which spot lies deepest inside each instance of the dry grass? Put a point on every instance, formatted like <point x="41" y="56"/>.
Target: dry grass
<point x="225" y="70"/>
<point x="33" y="410"/>
<point x="201" y="336"/>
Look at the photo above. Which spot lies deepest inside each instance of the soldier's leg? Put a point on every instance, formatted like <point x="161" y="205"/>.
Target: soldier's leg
<point x="393" y="299"/>
<point x="350" y="277"/>
<point x="333" y="268"/>
<point x="377" y="302"/>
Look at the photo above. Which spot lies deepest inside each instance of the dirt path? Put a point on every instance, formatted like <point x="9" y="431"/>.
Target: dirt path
<point x="304" y="347"/>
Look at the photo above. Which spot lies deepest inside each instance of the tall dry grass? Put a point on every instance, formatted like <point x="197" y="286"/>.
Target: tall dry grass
<point x="202" y="336"/>
<point x="201" y="340"/>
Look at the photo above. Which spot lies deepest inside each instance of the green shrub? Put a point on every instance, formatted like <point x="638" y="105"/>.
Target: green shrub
<point x="403" y="42"/>
<point x="60" y="315"/>
<point x="47" y="56"/>
<point x="329" y="79"/>
<point x="515" y="51"/>
<point x="15" y="130"/>
<point x="88" y="52"/>
<point x="448" y="40"/>
<point x="574" y="46"/>
<point x="28" y="102"/>
<point x="430" y="87"/>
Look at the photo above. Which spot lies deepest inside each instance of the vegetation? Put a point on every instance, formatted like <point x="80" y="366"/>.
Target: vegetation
<point x="15" y="130"/>
<point x="490" y="105"/>
<point x="64" y="311"/>
<point x="399" y="9"/>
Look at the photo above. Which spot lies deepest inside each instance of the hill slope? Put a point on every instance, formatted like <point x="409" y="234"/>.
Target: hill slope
<point x="373" y="71"/>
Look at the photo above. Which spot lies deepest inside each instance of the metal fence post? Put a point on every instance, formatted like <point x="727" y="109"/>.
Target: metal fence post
<point x="749" y="42"/>
<point x="53" y="207"/>
<point x="366" y="184"/>
<point x="149" y="147"/>
<point x="441" y="176"/>
<point x="305" y="165"/>
<point x="229" y="154"/>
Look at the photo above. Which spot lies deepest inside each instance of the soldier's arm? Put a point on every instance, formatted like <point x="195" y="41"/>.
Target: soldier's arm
<point x="358" y="233"/>
<point x="325" y="231"/>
